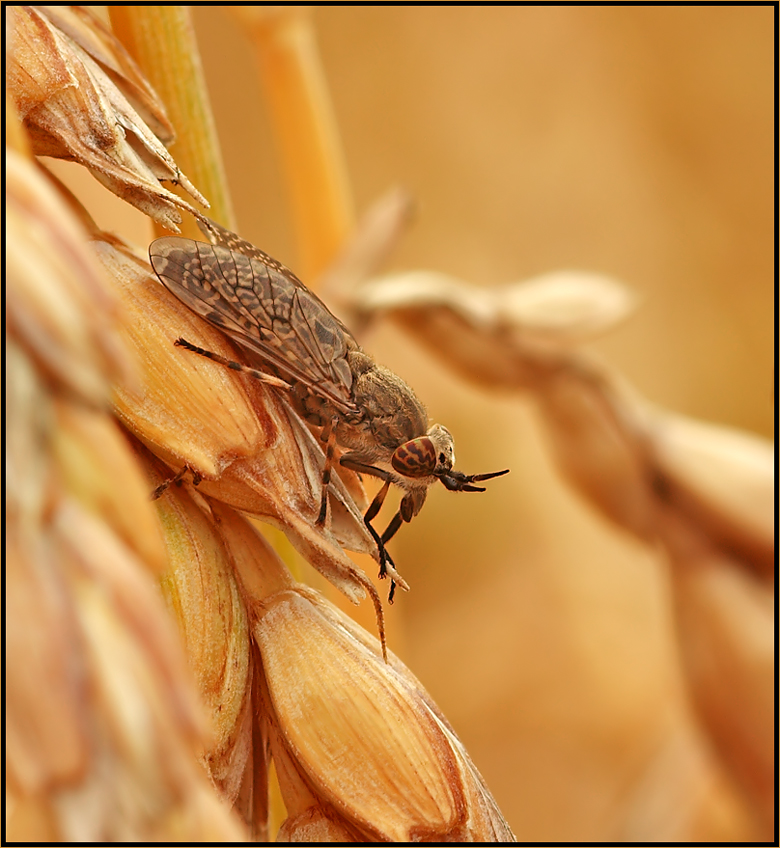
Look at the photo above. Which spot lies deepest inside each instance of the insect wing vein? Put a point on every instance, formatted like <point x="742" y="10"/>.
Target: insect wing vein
<point x="262" y="306"/>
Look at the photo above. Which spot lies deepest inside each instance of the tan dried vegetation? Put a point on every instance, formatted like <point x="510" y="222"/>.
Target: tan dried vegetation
<point x="138" y="714"/>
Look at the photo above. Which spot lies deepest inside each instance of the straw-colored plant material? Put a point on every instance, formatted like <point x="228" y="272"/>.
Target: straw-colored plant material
<point x="362" y="752"/>
<point x="133" y="742"/>
<point x="297" y="95"/>
<point x="81" y="97"/>
<point x="364" y="746"/>
<point x="705" y="493"/>
<point x="377" y="233"/>
<point x="200" y="587"/>
<point x="162" y="40"/>
<point x="59" y="306"/>
<point x="103" y="727"/>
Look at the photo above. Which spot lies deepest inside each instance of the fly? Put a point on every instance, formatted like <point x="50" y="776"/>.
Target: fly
<point x="293" y="341"/>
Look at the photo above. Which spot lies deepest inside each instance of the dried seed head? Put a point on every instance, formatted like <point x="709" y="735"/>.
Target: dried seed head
<point x="96" y="680"/>
<point x="722" y="480"/>
<point x="86" y="30"/>
<point x="60" y="307"/>
<point x="97" y="684"/>
<point x="363" y="739"/>
<point x="98" y="467"/>
<point x="73" y="85"/>
<point x="595" y="450"/>
<point x="200" y="588"/>
<point x="500" y="336"/>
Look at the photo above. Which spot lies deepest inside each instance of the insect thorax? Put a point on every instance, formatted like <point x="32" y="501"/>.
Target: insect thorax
<point x="389" y="407"/>
<point x="386" y="413"/>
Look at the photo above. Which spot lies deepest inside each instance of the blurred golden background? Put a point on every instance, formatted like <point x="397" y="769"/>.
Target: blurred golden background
<point x="632" y="141"/>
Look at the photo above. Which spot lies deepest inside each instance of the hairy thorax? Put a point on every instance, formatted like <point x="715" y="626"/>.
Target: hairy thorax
<point x="388" y="415"/>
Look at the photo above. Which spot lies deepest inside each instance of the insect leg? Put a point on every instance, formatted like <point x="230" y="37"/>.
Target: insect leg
<point x="236" y="366"/>
<point x="372" y="511"/>
<point x="405" y="513"/>
<point x="376" y="504"/>
<point x="392" y="527"/>
<point x="328" y="435"/>
<point x="176" y="480"/>
<point x="391" y="530"/>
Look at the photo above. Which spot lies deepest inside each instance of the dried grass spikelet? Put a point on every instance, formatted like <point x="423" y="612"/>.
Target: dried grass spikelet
<point x="126" y="700"/>
<point x="59" y="306"/>
<point x="200" y="587"/>
<point x="716" y="520"/>
<point x="497" y="337"/>
<point x="81" y="97"/>
<point x="706" y="493"/>
<point x="723" y="481"/>
<point x="102" y="723"/>
<point x="359" y="743"/>
<point x="361" y="751"/>
<point x="96" y="465"/>
<point x="252" y="451"/>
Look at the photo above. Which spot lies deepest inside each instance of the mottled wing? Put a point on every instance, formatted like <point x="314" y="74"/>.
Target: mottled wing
<point x="262" y="306"/>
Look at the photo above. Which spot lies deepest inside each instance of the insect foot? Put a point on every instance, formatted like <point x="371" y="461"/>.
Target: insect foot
<point x="176" y="480"/>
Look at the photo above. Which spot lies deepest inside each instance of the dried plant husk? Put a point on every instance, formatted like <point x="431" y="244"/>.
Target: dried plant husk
<point x="361" y="750"/>
<point x="86" y="625"/>
<point x="508" y="337"/>
<point x="99" y="468"/>
<point x="59" y="305"/>
<point x="200" y="588"/>
<point x="86" y="30"/>
<point x="723" y="481"/>
<point x="361" y="735"/>
<point x="76" y="90"/>
<point x="725" y="619"/>
<point x="103" y="725"/>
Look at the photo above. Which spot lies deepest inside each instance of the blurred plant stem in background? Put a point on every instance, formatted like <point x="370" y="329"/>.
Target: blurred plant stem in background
<point x="297" y="96"/>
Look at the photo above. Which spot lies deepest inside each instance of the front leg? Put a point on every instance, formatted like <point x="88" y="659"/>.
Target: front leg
<point x="384" y="557"/>
<point x="405" y="513"/>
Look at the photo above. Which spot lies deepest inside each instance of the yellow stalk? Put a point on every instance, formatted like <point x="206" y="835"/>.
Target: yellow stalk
<point x="162" y="41"/>
<point x="307" y="135"/>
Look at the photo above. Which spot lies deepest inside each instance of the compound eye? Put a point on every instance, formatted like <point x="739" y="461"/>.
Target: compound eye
<point x="415" y="458"/>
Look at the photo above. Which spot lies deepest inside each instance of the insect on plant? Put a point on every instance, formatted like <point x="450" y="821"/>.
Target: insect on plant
<point x="291" y="340"/>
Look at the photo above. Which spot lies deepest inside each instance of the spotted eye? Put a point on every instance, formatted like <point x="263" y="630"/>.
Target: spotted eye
<point x="415" y="458"/>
